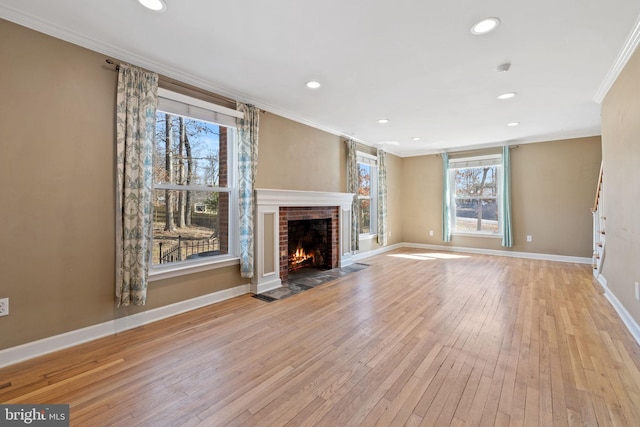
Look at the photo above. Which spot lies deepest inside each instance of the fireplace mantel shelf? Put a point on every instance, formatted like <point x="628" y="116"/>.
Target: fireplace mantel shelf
<point x="302" y="198"/>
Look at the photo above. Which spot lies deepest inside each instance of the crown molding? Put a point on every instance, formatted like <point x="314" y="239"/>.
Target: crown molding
<point x="119" y="54"/>
<point x="621" y="61"/>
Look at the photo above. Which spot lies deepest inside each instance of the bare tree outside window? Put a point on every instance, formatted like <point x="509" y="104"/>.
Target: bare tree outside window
<point x="476" y="199"/>
<point x="191" y="210"/>
<point x="364" y="197"/>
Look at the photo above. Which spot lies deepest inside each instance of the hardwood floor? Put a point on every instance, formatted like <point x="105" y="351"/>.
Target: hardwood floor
<point x="417" y="338"/>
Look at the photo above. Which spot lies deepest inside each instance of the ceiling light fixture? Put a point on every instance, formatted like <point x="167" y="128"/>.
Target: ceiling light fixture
<point x="512" y="124"/>
<point x="313" y="84"/>
<point x="503" y="68"/>
<point x="155" y="5"/>
<point x="507" y="95"/>
<point x="417" y="138"/>
<point x="485" y="26"/>
<point x="383" y="121"/>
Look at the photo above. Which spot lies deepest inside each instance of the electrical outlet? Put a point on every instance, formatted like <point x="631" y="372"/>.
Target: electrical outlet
<point x="4" y="307"/>
<point x="638" y="291"/>
<point x="430" y="232"/>
<point x="529" y="239"/>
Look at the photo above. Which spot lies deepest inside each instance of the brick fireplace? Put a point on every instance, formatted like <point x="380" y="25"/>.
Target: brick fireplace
<point x="274" y="210"/>
<point x="308" y="214"/>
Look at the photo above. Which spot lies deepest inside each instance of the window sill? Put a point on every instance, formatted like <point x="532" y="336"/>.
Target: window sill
<point x="186" y="267"/>
<point x="367" y="236"/>
<point x="489" y="235"/>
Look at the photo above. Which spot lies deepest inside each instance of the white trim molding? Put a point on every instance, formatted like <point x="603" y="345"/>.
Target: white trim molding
<point x="512" y="254"/>
<point x="33" y="349"/>
<point x="526" y="255"/>
<point x="623" y="57"/>
<point x="624" y="315"/>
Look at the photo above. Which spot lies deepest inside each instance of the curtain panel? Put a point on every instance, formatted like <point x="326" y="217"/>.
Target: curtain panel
<point x="247" y="166"/>
<point x="382" y="198"/>
<point x="135" y="128"/>
<point x="446" y="200"/>
<point x="352" y="187"/>
<point x="507" y="234"/>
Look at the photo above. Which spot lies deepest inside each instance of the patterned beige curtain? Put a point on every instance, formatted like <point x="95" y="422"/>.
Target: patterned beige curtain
<point x="247" y="165"/>
<point x="352" y="187"/>
<point x="135" y="128"/>
<point x="382" y="197"/>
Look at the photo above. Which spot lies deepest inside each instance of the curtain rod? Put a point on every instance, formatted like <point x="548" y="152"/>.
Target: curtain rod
<point x="110" y="62"/>
<point x="173" y="82"/>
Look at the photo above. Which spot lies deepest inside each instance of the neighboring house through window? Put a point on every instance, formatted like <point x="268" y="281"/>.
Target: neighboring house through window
<point x="475" y="188"/>
<point x="367" y="192"/>
<point x="194" y="193"/>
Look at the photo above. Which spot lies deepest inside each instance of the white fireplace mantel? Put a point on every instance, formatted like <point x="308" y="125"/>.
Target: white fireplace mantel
<point x="267" y="239"/>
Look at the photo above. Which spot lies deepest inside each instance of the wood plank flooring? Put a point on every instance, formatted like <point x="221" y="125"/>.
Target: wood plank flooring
<point x="419" y="338"/>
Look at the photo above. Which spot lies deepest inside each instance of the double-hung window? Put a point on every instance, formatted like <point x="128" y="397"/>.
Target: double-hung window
<point x="367" y="192"/>
<point x="475" y="188"/>
<point x="194" y="194"/>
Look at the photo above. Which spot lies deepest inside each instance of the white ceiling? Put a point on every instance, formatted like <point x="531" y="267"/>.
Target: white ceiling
<point x="413" y="62"/>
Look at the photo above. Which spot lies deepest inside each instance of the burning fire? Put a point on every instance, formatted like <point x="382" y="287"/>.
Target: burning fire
<point x="300" y="256"/>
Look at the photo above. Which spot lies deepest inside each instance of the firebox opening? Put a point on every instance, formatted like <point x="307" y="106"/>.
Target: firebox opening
<point x="309" y="244"/>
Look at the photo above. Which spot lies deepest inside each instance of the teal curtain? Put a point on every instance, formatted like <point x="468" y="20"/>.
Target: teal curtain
<point x="352" y="187"/>
<point x="507" y="236"/>
<point x="446" y="200"/>
<point x="247" y="165"/>
<point x="135" y="128"/>
<point x="382" y="198"/>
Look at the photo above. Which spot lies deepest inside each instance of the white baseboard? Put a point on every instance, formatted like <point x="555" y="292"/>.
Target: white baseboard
<point x="363" y="255"/>
<point x="58" y="342"/>
<point x="266" y="286"/>
<point x="527" y="255"/>
<point x="512" y="254"/>
<point x="629" y="321"/>
<point x="33" y="349"/>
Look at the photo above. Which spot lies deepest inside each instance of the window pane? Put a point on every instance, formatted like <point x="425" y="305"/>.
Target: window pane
<point x="196" y="228"/>
<point x="189" y="151"/>
<point x="364" y="180"/>
<point x="473" y="215"/>
<point x="477" y="181"/>
<point x="365" y="216"/>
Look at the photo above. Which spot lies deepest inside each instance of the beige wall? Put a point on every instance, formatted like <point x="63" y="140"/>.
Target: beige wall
<point x="57" y="137"/>
<point x="57" y="247"/>
<point x="621" y="183"/>
<point x="553" y="185"/>
<point x="292" y="156"/>
<point x="57" y="144"/>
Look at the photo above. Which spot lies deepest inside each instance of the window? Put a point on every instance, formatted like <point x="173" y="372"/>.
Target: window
<point x="367" y="192"/>
<point x="194" y="182"/>
<point x="475" y="187"/>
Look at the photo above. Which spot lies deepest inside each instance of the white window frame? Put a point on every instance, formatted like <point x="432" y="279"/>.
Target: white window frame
<point x="475" y="162"/>
<point x="372" y="161"/>
<point x="193" y="108"/>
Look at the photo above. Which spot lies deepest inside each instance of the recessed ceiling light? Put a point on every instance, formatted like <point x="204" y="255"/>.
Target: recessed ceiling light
<point x="313" y="84"/>
<point x="417" y="138"/>
<point x="383" y="121"/>
<point x="512" y="124"/>
<point x="485" y="26"/>
<point x="507" y="95"/>
<point x="155" y="5"/>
